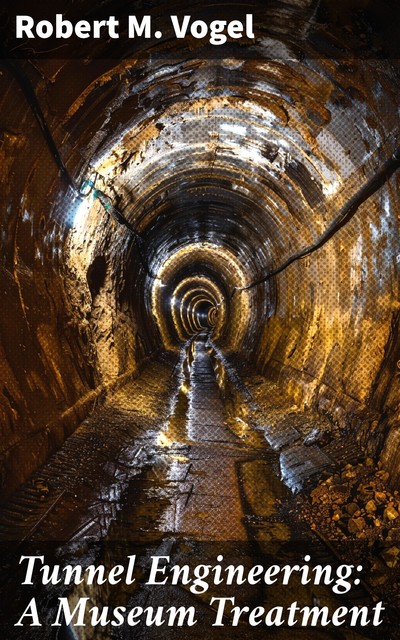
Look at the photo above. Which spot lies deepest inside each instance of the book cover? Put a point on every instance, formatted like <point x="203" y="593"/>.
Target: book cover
<point x="199" y="352"/>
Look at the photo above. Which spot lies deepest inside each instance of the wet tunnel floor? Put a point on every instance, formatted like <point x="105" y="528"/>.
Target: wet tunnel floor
<point x="197" y="486"/>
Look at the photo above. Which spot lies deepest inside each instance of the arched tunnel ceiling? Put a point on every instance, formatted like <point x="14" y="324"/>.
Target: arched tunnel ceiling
<point x="225" y="162"/>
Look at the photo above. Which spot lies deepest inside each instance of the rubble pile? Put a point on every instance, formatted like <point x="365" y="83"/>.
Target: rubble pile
<point x="356" y="505"/>
<point x="356" y="502"/>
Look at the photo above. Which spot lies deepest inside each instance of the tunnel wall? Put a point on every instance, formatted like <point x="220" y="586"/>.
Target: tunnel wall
<point x="43" y="391"/>
<point x="332" y="341"/>
<point x="335" y="309"/>
<point x="67" y="328"/>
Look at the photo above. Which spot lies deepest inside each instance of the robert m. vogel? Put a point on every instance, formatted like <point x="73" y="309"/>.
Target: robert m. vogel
<point x="216" y="32"/>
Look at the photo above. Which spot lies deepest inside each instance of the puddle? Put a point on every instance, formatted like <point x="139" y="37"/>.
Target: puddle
<point x="175" y="430"/>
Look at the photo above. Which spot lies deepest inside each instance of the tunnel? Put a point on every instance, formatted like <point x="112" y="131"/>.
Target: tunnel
<point x="200" y="304"/>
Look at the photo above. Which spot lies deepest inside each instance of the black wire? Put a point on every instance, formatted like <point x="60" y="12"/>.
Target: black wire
<point x="30" y="95"/>
<point x="107" y="204"/>
<point x="33" y="102"/>
<point x="345" y="214"/>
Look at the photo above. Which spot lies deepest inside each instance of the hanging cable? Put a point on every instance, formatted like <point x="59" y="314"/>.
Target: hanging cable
<point x="15" y="69"/>
<point x="344" y="216"/>
<point x="108" y="206"/>
<point x="87" y="185"/>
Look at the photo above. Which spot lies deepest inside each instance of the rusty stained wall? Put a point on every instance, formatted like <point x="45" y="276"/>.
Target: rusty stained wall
<point x="332" y="340"/>
<point x="97" y="289"/>
<point x="57" y="336"/>
<point x="40" y="379"/>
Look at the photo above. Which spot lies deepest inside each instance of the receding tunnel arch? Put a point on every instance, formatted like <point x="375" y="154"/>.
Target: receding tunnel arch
<point x="187" y="295"/>
<point x="212" y="268"/>
<point x="198" y="310"/>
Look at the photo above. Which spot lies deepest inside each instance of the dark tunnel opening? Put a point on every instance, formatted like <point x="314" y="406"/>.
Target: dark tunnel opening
<point x="199" y="335"/>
